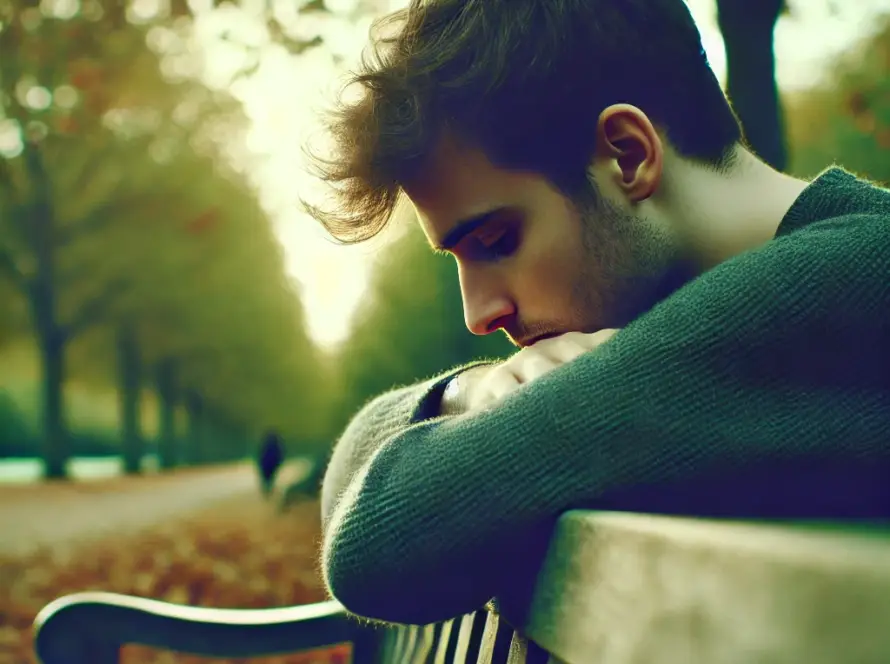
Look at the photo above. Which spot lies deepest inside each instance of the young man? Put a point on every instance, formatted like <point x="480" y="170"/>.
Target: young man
<point x="699" y="333"/>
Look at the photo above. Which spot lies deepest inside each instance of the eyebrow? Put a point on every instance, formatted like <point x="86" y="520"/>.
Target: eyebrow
<point x="464" y="228"/>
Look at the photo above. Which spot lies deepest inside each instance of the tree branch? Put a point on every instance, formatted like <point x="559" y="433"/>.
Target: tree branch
<point x="108" y="213"/>
<point x="10" y="201"/>
<point x="94" y="308"/>
<point x="71" y="232"/>
<point x="11" y="270"/>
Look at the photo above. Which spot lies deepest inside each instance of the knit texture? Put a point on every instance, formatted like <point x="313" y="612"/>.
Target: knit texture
<point x="759" y="389"/>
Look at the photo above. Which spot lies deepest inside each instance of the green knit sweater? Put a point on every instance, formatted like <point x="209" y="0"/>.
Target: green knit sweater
<point x="759" y="389"/>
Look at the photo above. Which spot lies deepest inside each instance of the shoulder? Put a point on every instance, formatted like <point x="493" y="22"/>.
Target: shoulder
<point x="829" y="265"/>
<point x="854" y="241"/>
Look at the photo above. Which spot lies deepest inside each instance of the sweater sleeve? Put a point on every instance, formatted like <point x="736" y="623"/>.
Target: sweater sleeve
<point x="381" y="418"/>
<point x="778" y="354"/>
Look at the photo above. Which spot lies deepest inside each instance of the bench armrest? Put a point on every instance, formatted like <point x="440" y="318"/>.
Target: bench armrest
<point x="620" y="587"/>
<point x="90" y="628"/>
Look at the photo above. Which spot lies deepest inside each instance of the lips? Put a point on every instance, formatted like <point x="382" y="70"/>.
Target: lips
<point x="531" y="341"/>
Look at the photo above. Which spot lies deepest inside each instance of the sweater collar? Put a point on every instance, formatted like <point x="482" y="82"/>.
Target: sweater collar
<point x="834" y="193"/>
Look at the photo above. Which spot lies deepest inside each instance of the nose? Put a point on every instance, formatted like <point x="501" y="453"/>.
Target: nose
<point x="486" y="306"/>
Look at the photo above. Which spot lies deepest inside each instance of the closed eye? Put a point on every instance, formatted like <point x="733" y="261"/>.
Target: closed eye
<point x="475" y="249"/>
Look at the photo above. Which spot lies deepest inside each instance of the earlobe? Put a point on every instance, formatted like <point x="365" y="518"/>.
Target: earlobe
<point x="627" y="138"/>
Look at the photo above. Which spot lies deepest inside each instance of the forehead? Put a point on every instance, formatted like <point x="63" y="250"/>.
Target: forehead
<point x="460" y="182"/>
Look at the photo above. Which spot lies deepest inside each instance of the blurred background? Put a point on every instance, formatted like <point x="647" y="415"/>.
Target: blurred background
<point x="163" y="298"/>
<point x="164" y="301"/>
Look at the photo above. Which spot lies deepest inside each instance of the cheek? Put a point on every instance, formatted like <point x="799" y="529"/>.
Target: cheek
<point x="551" y="275"/>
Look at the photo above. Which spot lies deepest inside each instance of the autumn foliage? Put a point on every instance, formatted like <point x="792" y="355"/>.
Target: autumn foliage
<point x="240" y="554"/>
<point x="846" y="119"/>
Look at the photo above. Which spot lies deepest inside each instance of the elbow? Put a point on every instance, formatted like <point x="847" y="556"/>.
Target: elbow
<point x="371" y="583"/>
<point x="349" y="568"/>
<point x="351" y="580"/>
<point x="368" y="585"/>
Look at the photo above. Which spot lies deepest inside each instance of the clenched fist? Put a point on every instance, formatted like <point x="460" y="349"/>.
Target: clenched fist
<point x="480" y="387"/>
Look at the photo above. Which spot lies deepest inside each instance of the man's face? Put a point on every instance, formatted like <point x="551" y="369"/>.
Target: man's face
<point x="530" y="260"/>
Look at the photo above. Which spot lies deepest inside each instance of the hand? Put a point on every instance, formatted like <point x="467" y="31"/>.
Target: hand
<point x="480" y="387"/>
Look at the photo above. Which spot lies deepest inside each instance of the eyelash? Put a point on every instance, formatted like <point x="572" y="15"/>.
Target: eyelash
<point x="500" y="248"/>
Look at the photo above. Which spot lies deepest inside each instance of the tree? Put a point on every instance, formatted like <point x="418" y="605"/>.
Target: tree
<point x="748" y="27"/>
<point x="846" y="119"/>
<point x="96" y="67"/>
<point x="207" y="307"/>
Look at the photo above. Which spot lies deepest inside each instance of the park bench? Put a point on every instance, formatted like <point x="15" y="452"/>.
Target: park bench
<point x="615" y="588"/>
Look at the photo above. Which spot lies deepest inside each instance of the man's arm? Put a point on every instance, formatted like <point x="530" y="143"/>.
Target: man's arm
<point x="776" y="355"/>
<point x="382" y="418"/>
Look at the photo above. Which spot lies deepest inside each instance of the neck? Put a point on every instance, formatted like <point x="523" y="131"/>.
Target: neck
<point x="720" y="215"/>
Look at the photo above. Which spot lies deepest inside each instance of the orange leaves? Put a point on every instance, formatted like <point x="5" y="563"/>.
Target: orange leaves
<point x="846" y="119"/>
<point x="204" y="222"/>
<point x="241" y="554"/>
<point x="862" y="112"/>
<point x="67" y="125"/>
<point x="85" y="74"/>
<point x="857" y="102"/>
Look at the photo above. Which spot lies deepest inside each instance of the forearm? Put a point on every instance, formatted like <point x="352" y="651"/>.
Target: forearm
<point x="381" y="419"/>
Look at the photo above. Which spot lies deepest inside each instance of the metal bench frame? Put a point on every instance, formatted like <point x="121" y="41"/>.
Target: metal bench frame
<point x="91" y="628"/>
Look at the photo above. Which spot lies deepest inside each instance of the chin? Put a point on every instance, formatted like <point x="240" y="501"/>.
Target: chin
<point x="642" y="294"/>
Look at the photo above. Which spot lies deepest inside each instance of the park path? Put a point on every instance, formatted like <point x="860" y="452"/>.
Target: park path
<point x="59" y="514"/>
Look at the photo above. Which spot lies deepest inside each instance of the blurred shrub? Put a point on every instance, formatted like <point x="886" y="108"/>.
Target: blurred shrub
<point x="16" y="433"/>
<point x="846" y="120"/>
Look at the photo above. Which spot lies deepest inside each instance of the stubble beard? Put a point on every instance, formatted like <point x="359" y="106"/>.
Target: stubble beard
<point x="630" y="266"/>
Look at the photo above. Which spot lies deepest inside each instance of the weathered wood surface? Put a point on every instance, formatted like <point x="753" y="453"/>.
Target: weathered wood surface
<point x="621" y="588"/>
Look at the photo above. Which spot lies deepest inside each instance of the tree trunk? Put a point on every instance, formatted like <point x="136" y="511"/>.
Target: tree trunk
<point x="130" y="392"/>
<point x="748" y="27"/>
<point x="55" y="432"/>
<point x="51" y="336"/>
<point x="165" y="386"/>
<point x="196" y="429"/>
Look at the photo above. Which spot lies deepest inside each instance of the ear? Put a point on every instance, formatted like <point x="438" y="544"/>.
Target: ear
<point x="632" y="150"/>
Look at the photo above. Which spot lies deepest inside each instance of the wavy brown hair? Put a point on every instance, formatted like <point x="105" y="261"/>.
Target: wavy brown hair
<point x="525" y="80"/>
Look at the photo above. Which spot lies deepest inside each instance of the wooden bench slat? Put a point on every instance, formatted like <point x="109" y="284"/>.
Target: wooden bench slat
<point x="394" y="647"/>
<point x="489" y="637"/>
<point x="620" y="588"/>
<point x="444" y="638"/>
<point x="518" y="649"/>
<point x="463" y="639"/>
<point x="423" y="649"/>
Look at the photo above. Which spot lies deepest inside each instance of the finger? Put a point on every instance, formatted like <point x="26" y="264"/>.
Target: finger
<point x="573" y="344"/>
<point x="599" y="337"/>
<point x="568" y="350"/>
<point x="496" y="385"/>
<point x="534" y="365"/>
<point x="562" y="349"/>
<point x="502" y="383"/>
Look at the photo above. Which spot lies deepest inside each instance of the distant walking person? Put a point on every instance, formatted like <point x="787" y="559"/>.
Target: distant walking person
<point x="269" y="461"/>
